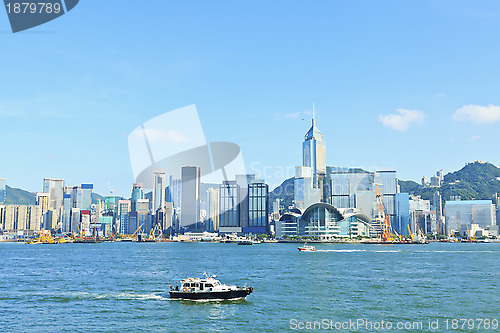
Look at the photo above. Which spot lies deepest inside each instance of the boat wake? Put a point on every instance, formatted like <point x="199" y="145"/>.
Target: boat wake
<point x="342" y="251"/>
<point x="117" y="296"/>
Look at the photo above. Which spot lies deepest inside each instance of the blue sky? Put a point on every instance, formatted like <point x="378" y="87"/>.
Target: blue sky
<point x="410" y="85"/>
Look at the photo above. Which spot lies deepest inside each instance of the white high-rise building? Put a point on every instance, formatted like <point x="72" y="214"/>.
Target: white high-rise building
<point x="310" y="177"/>
<point x="314" y="154"/>
<point x="158" y="190"/>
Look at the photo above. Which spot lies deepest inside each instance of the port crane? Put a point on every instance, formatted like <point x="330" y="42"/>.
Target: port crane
<point x="385" y="220"/>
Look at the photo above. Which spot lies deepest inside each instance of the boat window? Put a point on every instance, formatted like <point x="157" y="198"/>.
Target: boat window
<point x="208" y="285"/>
<point x="197" y="285"/>
<point x="201" y="286"/>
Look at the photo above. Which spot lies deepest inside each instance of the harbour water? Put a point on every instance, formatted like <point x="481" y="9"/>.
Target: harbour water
<point x="122" y="287"/>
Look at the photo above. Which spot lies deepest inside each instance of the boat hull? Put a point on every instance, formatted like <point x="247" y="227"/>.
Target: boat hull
<point x="213" y="295"/>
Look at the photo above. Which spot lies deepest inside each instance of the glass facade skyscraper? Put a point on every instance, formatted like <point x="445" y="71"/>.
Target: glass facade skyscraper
<point x="229" y="215"/>
<point x="314" y="153"/>
<point x="137" y="194"/>
<point x="257" y="207"/>
<point x="158" y="190"/>
<point x="309" y="183"/>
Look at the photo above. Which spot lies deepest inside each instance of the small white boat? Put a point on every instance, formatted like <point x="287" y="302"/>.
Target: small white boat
<point x="307" y="248"/>
<point x="207" y="288"/>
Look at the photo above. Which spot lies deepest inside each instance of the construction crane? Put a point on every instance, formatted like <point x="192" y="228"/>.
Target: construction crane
<point x="469" y="237"/>
<point x="385" y="220"/>
<point x="411" y="235"/>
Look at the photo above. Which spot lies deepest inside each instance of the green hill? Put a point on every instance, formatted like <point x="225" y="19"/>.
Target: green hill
<point x="285" y="192"/>
<point x="16" y="196"/>
<point x="476" y="180"/>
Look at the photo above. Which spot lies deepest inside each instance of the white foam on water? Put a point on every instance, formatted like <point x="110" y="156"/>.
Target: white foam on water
<point x="341" y="251"/>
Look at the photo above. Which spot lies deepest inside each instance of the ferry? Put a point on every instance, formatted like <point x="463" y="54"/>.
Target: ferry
<point x="207" y="289"/>
<point x="307" y="248"/>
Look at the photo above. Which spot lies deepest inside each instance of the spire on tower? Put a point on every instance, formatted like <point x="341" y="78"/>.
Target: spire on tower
<point x="313" y="120"/>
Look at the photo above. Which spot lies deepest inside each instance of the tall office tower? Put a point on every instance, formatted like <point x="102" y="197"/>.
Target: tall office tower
<point x="122" y="217"/>
<point x="175" y="192"/>
<point x="66" y="216"/>
<point x="402" y="221"/>
<point x="169" y="218"/>
<point x="229" y="207"/>
<point x="258" y="203"/>
<point x="437" y="203"/>
<point x="158" y="190"/>
<point x="2" y="191"/>
<point x="190" y="197"/>
<point x="213" y="209"/>
<point x="55" y="189"/>
<point x="314" y="154"/>
<point x="137" y="194"/>
<point x="85" y="196"/>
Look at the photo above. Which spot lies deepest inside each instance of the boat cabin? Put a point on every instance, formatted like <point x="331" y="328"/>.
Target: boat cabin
<point x="196" y="284"/>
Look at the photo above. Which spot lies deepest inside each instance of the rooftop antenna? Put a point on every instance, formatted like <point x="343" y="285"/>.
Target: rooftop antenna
<point x="110" y="188"/>
<point x="313" y="121"/>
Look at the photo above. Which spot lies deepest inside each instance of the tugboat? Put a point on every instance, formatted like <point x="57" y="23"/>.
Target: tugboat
<point x="307" y="248"/>
<point x="207" y="288"/>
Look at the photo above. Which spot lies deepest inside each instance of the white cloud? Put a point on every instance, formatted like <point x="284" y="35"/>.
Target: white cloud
<point x="292" y="115"/>
<point x="474" y="138"/>
<point x="403" y="119"/>
<point x="477" y="114"/>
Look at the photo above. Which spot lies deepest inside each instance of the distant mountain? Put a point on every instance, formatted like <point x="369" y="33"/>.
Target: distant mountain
<point x="16" y="196"/>
<point x="476" y="180"/>
<point x="408" y="186"/>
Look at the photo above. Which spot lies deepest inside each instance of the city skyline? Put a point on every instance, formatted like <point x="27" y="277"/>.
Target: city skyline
<point x="395" y="85"/>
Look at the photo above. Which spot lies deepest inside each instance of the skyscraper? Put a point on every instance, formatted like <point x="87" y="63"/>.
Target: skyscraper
<point x="190" y="197"/>
<point x="314" y="153"/>
<point x="309" y="183"/>
<point x="122" y="217"/>
<point x="67" y="207"/>
<point x="258" y="195"/>
<point x="55" y="189"/>
<point x="137" y="194"/>
<point x="158" y="190"/>
<point x="85" y="196"/>
<point x="213" y="209"/>
<point x="229" y="207"/>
